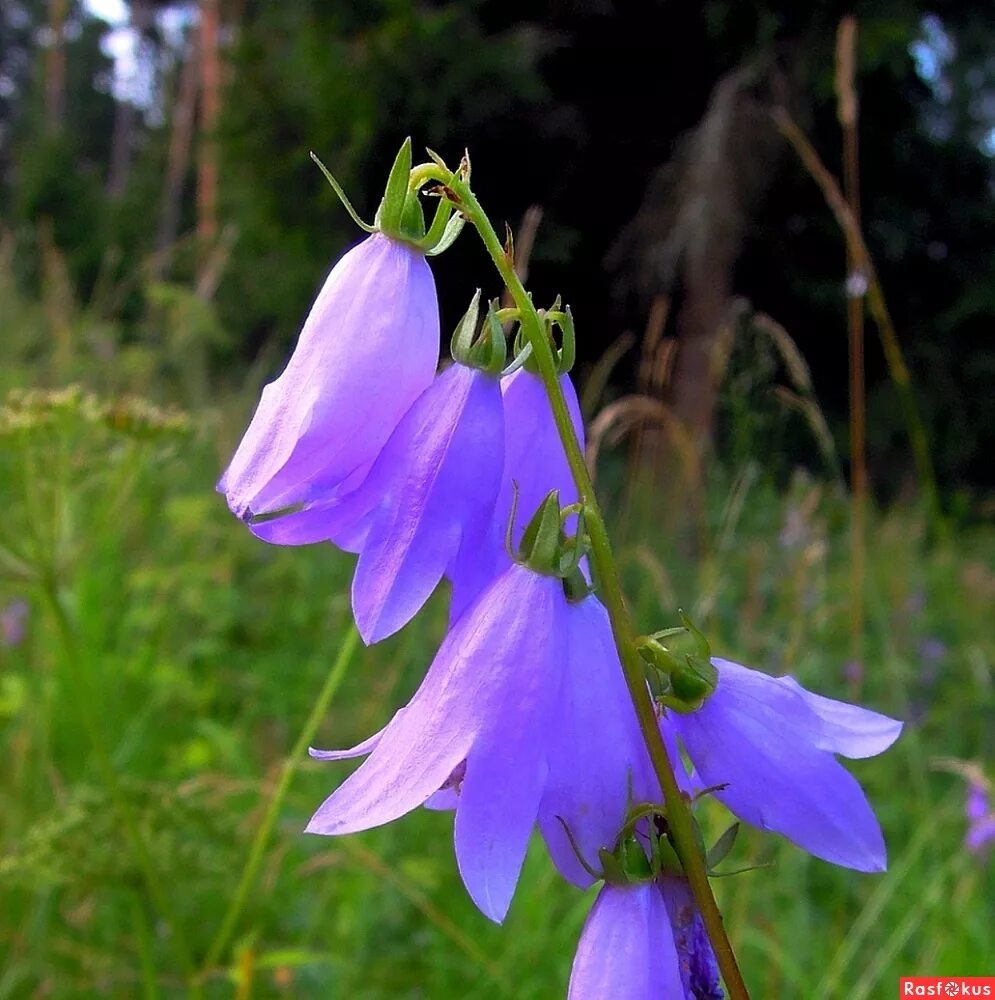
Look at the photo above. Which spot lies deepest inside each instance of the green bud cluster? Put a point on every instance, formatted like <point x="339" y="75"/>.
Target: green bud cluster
<point x="679" y="666"/>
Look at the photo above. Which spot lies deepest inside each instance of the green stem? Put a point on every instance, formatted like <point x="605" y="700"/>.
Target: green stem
<point x="260" y="842"/>
<point x="143" y="859"/>
<point x="678" y="812"/>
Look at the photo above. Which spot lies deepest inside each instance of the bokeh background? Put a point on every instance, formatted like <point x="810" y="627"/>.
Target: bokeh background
<point x="773" y="222"/>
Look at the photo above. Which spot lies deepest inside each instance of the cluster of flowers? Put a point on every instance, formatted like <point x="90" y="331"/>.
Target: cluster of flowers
<point x="523" y="718"/>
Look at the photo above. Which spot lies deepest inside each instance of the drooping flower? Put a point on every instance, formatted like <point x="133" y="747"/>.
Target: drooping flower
<point x="368" y="349"/>
<point x="486" y="701"/>
<point x="769" y="746"/>
<point x="429" y="494"/>
<point x="534" y="464"/>
<point x="523" y="716"/>
<point x="627" y="949"/>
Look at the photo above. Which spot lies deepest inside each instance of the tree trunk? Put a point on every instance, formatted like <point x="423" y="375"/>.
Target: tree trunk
<point x="55" y="67"/>
<point x="178" y="162"/>
<point x="210" y="106"/>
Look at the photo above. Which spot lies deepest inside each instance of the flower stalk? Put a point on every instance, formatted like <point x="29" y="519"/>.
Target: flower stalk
<point x="678" y="813"/>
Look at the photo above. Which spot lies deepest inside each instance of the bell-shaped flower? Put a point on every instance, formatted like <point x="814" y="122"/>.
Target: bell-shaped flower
<point x="523" y="716"/>
<point x="768" y="746"/>
<point x="429" y="494"/>
<point x="598" y="764"/>
<point x="534" y="464"/>
<point x="484" y="706"/>
<point x="368" y="349"/>
<point x="627" y="949"/>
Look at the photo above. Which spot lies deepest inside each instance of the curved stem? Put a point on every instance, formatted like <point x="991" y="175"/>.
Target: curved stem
<point x="260" y="842"/>
<point x="678" y="812"/>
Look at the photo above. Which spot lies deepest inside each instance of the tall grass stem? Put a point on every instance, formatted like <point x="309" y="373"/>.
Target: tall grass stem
<point x="260" y="842"/>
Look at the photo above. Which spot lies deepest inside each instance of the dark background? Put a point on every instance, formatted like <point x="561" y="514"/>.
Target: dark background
<point x="590" y="110"/>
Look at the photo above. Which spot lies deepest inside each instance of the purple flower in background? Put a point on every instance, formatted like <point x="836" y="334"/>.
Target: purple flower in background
<point x="534" y="463"/>
<point x="980" y="834"/>
<point x="627" y="949"/>
<point x="772" y="745"/>
<point x="523" y="716"/>
<point x="368" y="348"/>
<point x="429" y="494"/>
<point x="13" y="623"/>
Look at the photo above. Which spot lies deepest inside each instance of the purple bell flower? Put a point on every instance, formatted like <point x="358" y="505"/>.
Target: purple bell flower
<point x="429" y="494"/>
<point x="627" y="949"/>
<point x="523" y="716"/>
<point x="486" y="702"/>
<point x="369" y="347"/>
<point x="535" y="463"/>
<point x="773" y="745"/>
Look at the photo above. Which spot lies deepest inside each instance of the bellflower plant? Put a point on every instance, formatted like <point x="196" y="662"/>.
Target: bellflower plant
<point x="543" y="708"/>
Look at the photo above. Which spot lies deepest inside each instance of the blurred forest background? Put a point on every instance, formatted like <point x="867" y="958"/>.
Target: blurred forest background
<point x="747" y="205"/>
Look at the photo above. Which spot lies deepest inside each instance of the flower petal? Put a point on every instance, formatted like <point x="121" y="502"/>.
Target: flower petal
<point x="330" y="412"/>
<point x="755" y="736"/>
<point x="534" y="464"/>
<point x="462" y="693"/>
<point x="445" y="458"/>
<point x="848" y="730"/>
<point x="596" y="753"/>
<point x="506" y="769"/>
<point x="626" y="950"/>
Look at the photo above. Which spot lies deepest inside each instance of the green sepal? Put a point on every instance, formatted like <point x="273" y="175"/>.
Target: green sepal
<point x="635" y="865"/>
<point x="453" y="228"/>
<point x="683" y="655"/>
<point x="484" y="351"/>
<point x="337" y="188"/>
<point x="391" y="215"/>
<point x="718" y="852"/>
<point x="539" y="548"/>
<point x="462" y="339"/>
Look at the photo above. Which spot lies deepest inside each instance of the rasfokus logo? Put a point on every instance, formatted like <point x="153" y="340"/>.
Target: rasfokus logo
<point x="947" y="986"/>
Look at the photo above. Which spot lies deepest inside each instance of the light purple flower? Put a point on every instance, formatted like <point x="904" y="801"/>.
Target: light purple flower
<point x="980" y="835"/>
<point x="535" y="463"/>
<point x="773" y="745"/>
<point x="500" y="731"/>
<point x="627" y="949"/>
<point x="486" y="701"/>
<point x="369" y="347"/>
<point x="429" y="494"/>
<point x="598" y="764"/>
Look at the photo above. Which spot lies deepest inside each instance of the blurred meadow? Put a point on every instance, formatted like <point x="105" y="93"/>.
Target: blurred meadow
<point x="162" y="232"/>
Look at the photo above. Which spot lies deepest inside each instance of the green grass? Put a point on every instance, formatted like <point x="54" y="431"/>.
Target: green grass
<point x="171" y="661"/>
